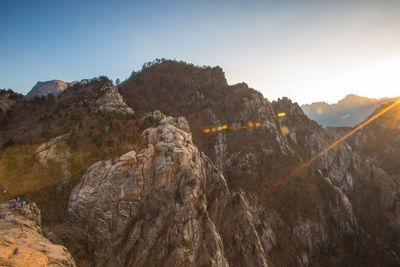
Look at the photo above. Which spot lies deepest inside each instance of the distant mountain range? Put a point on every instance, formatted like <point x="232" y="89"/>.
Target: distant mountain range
<point x="349" y="111"/>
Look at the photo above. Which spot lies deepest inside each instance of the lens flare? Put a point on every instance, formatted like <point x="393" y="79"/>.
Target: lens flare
<point x="337" y="142"/>
<point x="285" y="130"/>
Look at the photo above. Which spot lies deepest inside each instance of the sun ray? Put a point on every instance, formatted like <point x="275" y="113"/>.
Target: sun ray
<point x="337" y="142"/>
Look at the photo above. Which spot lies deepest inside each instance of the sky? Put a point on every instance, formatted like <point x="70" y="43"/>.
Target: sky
<point x="306" y="50"/>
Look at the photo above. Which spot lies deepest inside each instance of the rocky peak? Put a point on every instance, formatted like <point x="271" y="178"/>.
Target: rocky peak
<point x="54" y="87"/>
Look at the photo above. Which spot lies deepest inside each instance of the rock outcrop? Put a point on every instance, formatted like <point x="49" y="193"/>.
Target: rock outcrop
<point x="54" y="87"/>
<point x="22" y="242"/>
<point x="166" y="204"/>
<point x="111" y="101"/>
<point x="56" y="150"/>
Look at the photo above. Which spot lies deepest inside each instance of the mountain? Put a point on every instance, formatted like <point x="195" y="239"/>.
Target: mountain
<point x="317" y="209"/>
<point x="176" y="167"/>
<point x="349" y="111"/>
<point x="54" y="87"/>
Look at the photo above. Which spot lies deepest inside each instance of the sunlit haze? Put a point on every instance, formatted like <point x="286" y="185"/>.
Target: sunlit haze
<point x="306" y="50"/>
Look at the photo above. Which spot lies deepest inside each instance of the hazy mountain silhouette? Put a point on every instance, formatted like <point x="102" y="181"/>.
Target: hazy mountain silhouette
<point x="349" y="111"/>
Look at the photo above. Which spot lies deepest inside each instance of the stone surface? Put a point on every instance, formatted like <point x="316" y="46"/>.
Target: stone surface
<point x="110" y="100"/>
<point x="54" y="87"/>
<point x="22" y="243"/>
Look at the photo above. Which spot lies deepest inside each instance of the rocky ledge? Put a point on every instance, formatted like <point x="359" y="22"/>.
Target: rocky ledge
<point x="22" y="242"/>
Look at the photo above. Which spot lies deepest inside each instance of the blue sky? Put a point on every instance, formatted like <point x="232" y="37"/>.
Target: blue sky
<point x="306" y="50"/>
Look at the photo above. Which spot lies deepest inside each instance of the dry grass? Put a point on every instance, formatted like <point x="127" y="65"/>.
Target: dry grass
<point x="21" y="171"/>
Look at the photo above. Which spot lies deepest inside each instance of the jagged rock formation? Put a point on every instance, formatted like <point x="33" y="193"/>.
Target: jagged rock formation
<point x="22" y="242"/>
<point x="112" y="101"/>
<point x="349" y="111"/>
<point x="166" y="204"/>
<point x="54" y="87"/>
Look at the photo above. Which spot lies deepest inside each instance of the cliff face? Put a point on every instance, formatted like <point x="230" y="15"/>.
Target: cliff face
<point x="22" y="242"/>
<point x="166" y="204"/>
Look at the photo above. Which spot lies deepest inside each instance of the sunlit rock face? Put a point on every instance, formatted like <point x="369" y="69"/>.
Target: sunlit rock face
<point x="54" y="87"/>
<point x="166" y="204"/>
<point x="22" y="242"/>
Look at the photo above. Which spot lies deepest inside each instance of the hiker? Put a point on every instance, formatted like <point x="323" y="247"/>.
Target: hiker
<point x="18" y="199"/>
<point x="22" y="203"/>
<point x="10" y="205"/>
<point x="15" y="205"/>
<point x="15" y="252"/>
